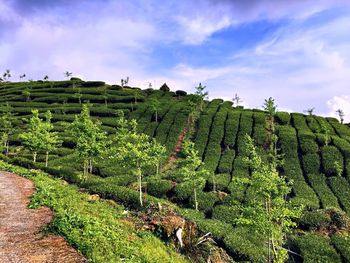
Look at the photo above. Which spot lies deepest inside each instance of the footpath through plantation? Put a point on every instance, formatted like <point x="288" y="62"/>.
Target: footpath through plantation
<point x="20" y="236"/>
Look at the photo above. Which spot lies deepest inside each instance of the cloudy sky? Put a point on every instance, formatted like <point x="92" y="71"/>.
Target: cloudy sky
<point x="297" y="52"/>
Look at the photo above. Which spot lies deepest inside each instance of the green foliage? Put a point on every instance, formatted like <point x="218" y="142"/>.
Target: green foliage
<point x="299" y="122"/>
<point x="97" y="229"/>
<point x="246" y="244"/>
<point x="266" y="211"/>
<point x="319" y="184"/>
<point x="270" y="107"/>
<point x="226" y="213"/>
<point x="206" y="201"/>
<point x="213" y="150"/>
<point x="159" y="187"/>
<point x="330" y="156"/>
<point x="90" y="140"/>
<point x="342" y="243"/>
<point x="315" y="248"/>
<point x="204" y="125"/>
<point x="135" y="151"/>
<point x="226" y="161"/>
<point x="314" y="220"/>
<point x="231" y="128"/>
<point x="219" y="181"/>
<point x="282" y="118"/>
<point x="341" y="189"/>
<point x="307" y="142"/>
<point x="311" y="163"/>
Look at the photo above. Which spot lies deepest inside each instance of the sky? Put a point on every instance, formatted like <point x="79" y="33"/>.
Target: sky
<point x="297" y="52"/>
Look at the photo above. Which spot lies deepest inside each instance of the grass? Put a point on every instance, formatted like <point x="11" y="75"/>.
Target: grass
<point x="96" y="228"/>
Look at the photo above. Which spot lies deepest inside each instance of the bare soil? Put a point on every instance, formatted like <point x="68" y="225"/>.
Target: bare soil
<point x="21" y="239"/>
<point x="177" y="150"/>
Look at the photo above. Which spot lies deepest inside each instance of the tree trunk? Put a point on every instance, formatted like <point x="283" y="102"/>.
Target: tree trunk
<point x="195" y="199"/>
<point x="90" y="165"/>
<point x="157" y="169"/>
<point x="46" y="159"/>
<point x="140" y="186"/>
<point x="6" y="145"/>
<point x="34" y="157"/>
<point x="156" y="116"/>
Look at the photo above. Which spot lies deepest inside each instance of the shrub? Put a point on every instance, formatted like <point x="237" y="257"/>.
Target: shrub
<point x="184" y="190"/>
<point x="327" y="198"/>
<point x="180" y="93"/>
<point x="164" y="88"/>
<point x="226" y="161"/>
<point x="331" y="155"/>
<point x="259" y="134"/>
<point x="231" y="128"/>
<point x="282" y="118"/>
<point x="341" y="189"/>
<point x="93" y="84"/>
<point x="288" y="141"/>
<point x="342" y="243"/>
<point x="315" y="248"/>
<point x="221" y="181"/>
<point x="343" y="145"/>
<point x="225" y="213"/>
<point x="206" y="201"/>
<point x="314" y="220"/>
<point x="122" y="179"/>
<point x="246" y="245"/>
<point x="204" y="124"/>
<point x="304" y="195"/>
<point x="313" y="124"/>
<point x="159" y="187"/>
<point x="307" y="142"/>
<point x="218" y="228"/>
<point x="299" y="122"/>
<point x="311" y="163"/>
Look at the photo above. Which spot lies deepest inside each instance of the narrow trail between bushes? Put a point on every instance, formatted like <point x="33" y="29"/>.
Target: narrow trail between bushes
<point x="177" y="150"/>
<point x="20" y="236"/>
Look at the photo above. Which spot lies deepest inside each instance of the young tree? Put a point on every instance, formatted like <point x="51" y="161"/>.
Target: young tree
<point x="67" y="74"/>
<point x="91" y="141"/>
<point x="135" y="151"/>
<point x="189" y="167"/>
<point x="325" y="130"/>
<point x="104" y="92"/>
<point x="155" y="105"/>
<point x="236" y="100"/>
<point x="7" y="75"/>
<point x="78" y="94"/>
<point x="271" y="108"/>
<point x="22" y="76"/>
<point x="124" y="82"/>
<point x="310" y="111"/>
<point x="33" y="137"/>
<point x="50" y="138"/>
<point x="341" y="115"/>
<point x="201" y="95"/>
<point x="6" y="126"/>
<point x="266" y="210"/>
<point x="26" y="94"/>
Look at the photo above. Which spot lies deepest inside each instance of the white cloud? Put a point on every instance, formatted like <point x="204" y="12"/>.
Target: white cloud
<point x="339" y="102"/>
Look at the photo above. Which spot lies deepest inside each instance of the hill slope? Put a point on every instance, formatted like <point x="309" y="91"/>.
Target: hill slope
<point x="309" y="158"/>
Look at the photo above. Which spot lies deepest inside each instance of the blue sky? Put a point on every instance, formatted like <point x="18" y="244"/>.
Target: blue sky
<point x="295" y="51"/>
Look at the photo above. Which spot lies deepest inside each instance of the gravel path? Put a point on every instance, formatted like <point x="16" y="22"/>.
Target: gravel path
<point x="20" y="237"/>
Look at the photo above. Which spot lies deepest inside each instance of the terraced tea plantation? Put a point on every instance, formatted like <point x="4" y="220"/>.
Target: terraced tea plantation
<point x="316" y="153"/>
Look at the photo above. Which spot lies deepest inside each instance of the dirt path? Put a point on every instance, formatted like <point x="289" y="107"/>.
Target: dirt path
<point x="20" y="238"/>
<point x="177" y="150"/>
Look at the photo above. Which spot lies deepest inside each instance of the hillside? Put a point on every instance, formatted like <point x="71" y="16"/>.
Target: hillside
<point x="311" y="145"/>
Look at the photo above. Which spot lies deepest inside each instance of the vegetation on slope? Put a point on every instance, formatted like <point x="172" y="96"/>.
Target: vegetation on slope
<point x="315" y="149"/>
